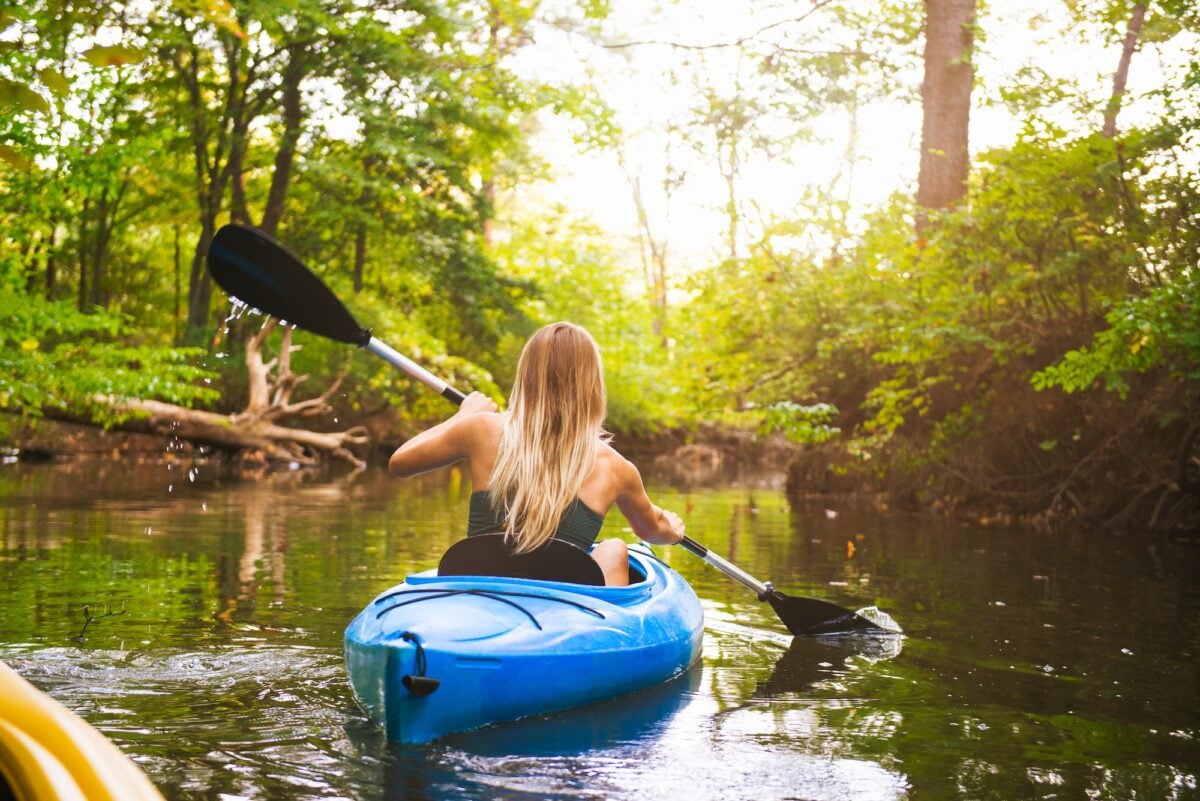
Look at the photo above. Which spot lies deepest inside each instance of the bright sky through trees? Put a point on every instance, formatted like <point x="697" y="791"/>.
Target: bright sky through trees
<point x="652" y="86"/>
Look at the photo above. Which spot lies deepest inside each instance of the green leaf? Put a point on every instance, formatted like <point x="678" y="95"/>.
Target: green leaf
<point x="21" y="96"/>
<point x="10" y="156"/>
<point x="217" y="12"/>
<point x="55" y="82"/>
<point x="113" y="55"/>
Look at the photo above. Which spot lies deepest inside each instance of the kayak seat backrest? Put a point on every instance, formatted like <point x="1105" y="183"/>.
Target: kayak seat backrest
<point x="489" y="555"/>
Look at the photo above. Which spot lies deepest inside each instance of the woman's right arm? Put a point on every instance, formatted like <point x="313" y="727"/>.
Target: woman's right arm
<point x="448" y="442"/>
<point x="653" y="524"/>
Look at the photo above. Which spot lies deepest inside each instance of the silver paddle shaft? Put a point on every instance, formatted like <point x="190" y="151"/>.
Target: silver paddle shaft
<point x="415" y="370"/>
<point x="727" y="567"/>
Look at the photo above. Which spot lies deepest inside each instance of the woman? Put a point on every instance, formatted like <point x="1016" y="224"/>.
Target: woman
<point x="545" y="469"/>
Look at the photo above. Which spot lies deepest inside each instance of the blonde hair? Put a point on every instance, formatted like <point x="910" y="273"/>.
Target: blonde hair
<point x="549" y="438"/>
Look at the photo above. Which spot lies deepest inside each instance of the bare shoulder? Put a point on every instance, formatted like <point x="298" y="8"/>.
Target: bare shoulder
<point x="621" y="469"/>
<point x="485" y="421"/>
<point x="481" y="427"/>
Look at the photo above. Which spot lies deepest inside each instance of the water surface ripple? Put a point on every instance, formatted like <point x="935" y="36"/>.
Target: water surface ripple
<point x="1032" y="665"/>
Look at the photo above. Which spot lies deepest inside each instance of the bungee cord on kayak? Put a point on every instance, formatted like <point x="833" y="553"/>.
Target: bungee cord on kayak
<point x="495" y="595"/>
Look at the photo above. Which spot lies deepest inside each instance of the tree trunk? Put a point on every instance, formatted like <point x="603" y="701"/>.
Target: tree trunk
<point x="199" y="285"/>
<point x="258" y="371"/>
<point x="81" y="257"/>
<point x="239" y="210"/>
<point x="360" y="255"/>
<point x="1132" y="31"/>
<point x="178" y="292"/>
<point x="96" y="257"/>
<point x="31" y="254"/>
<point x="732" y="215"/>
<point x="293" y="117"/>
<point x="946" y="102"/>
<point x="654" y="261"/>
<point x="488" y="213"/>
<point x="366" y="205"/>
<point x="215" y="153"/>
<point x="52" y="261"/>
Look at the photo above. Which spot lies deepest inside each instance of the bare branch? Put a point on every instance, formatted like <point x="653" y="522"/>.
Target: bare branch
<point x="817" y="6"/>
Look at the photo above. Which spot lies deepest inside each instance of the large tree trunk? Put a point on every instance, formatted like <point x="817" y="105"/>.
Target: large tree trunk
<point x="1121" y="76"/>
<point x="256" y="429"/>
<point x="946" y="102"/>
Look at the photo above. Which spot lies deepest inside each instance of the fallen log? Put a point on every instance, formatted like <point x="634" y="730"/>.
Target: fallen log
<point x="234" y="432"/>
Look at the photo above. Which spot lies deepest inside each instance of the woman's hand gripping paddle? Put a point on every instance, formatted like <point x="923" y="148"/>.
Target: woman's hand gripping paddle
<point x="258" y="271"/>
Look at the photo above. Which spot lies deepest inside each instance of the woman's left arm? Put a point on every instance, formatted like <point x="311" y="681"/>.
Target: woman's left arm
<point x="448" y="442"/>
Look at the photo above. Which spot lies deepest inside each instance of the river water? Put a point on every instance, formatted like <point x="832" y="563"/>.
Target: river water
<point x="196" y="619"/>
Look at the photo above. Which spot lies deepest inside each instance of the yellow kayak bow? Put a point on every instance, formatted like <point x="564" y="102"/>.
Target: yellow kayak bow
<point x="48" y="753"/>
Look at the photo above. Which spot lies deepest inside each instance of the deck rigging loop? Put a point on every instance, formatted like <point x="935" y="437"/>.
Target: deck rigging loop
<point x="502" y="596"/>
<point x="419" y="685"/>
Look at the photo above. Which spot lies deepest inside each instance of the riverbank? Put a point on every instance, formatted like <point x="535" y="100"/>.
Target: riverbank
<point x="831" y="474"/>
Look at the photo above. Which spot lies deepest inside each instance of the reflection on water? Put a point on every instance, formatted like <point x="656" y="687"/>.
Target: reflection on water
<point x="1032" y="667"/>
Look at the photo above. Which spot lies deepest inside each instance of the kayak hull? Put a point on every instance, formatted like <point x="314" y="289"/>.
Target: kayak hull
<point x="436" y="655"/>
<point x="49" y="752"/>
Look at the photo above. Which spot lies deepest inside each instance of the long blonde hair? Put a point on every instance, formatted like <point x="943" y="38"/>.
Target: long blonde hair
<point x="549" y="438"/>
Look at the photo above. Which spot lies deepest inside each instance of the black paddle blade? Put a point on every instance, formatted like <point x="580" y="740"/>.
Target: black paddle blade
<point x="806" y="617"/>
<point x="258" y="271"/>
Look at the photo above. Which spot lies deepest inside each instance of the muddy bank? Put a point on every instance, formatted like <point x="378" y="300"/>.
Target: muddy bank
<point x="688" y="457"/>
<point x="40" y="439"/>
<point x="1088" y="462"/>
<point x="1079" y="465"/>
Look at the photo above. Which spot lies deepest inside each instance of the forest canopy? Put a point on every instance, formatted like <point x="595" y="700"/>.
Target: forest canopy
<point x="1008" y="327"/>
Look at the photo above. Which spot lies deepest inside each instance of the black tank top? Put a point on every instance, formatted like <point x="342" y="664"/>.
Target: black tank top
<point x="580" y="524"/>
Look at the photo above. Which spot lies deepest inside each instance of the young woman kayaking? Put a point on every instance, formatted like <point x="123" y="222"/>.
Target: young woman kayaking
<point x="545" y="469"/>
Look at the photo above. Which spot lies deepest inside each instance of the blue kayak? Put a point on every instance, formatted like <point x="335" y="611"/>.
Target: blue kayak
<point x="441" y="654"/>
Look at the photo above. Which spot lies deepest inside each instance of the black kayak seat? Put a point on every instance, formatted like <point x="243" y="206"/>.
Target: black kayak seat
<point x="490" y="555"/>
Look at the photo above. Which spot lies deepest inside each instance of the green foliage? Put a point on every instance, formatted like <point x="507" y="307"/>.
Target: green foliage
<point x="54" y="357"/>
<point x="914" y="338"/>
<point x="1161" y="329"/>
<point x="122" y="128"/>
<point x="807" y="425"/>
<point x="126" y="132"/>
<point x="580" y="278"/>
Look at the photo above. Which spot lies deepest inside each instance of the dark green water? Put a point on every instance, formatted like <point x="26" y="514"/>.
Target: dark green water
<point x="1033" y="666"/>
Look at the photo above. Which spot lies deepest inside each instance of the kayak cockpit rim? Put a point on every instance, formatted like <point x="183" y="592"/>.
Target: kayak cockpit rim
<point x="642" y="565"/>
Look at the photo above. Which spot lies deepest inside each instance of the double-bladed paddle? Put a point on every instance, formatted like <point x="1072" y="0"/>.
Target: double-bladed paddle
<point x="261" y="273"/>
